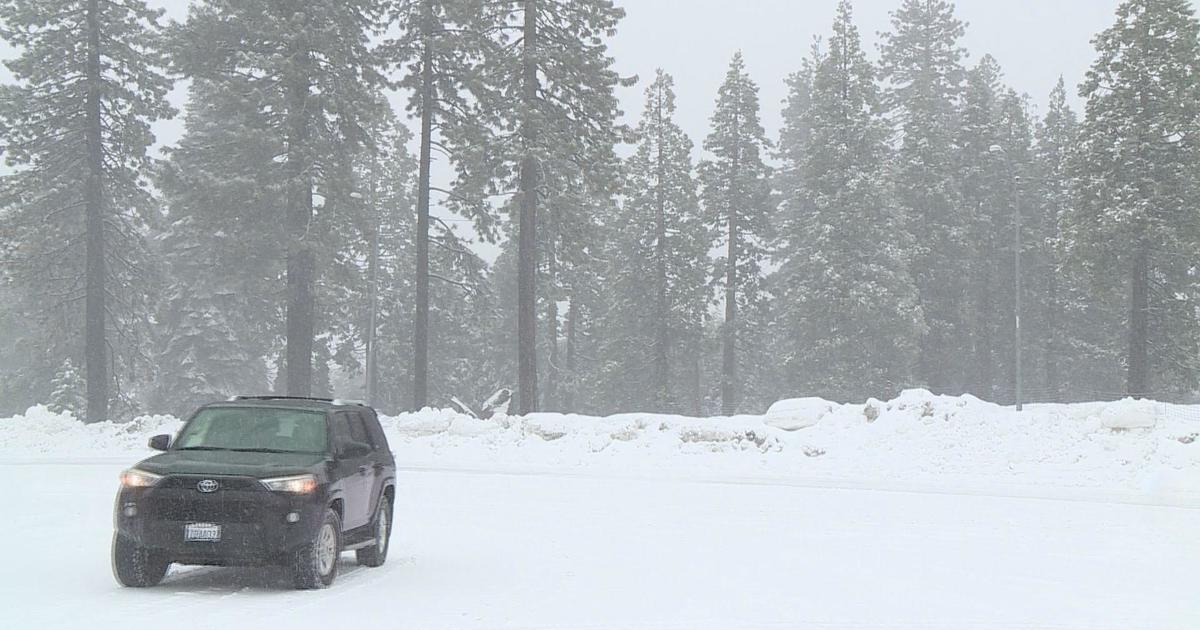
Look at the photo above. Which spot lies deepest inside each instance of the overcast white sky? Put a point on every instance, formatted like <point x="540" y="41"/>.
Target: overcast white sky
<point x="1035" y="42"/>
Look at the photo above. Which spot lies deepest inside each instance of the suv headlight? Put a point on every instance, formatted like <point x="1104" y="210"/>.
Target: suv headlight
<point x="134" y="478"/>
<point x="294" y="484"/>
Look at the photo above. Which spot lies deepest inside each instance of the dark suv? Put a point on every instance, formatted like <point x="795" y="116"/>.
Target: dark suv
<point x="259" y="480"/>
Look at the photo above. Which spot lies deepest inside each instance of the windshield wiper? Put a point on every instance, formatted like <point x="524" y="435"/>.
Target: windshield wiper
<point x="264" y="450"/>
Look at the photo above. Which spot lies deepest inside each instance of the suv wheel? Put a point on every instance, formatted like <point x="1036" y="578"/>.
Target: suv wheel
<point x="314" y="564"/>
<point x="136" y="565"/>
<point x="376" y="554"/>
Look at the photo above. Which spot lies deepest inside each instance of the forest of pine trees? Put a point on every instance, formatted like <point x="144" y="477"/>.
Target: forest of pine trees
<point x="297" y="238"/>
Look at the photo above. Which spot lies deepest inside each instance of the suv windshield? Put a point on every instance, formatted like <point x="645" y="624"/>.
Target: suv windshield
<point x="255" y="429"/>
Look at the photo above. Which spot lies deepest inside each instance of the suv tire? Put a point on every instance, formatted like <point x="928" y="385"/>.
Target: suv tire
<point x="136" y="565"/>
<point x="376" y="554"/>
<point x="314" y="564"/>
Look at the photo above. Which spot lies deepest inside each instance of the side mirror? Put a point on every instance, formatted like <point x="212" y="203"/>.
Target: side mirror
<point x="354" y="450"/>
<point x="160" y="442"/>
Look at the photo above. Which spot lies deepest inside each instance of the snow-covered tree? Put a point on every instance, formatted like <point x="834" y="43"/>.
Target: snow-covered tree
<point x="922" y="66"/>
<point x="440" y="46"/>
<point x="68" y="391"/>
<point x="851" y="321"/>
<point x="1135" y="225"/>
<point x="311" y="72"/>
<point x="75" y="125"/>
<point x="656" y="290"/>
<point x="735" y="189"/>
<point x="550" y="89"/>
<point x="218" y="308"/>
<point x="1078" y="352"/>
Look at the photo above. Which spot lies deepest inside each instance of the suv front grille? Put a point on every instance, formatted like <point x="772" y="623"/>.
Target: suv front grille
<point x="189" y="482"/>
<point x="236" y="500"/>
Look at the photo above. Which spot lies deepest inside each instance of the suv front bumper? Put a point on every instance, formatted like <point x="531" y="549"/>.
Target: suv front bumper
<point x="255" y="524"/>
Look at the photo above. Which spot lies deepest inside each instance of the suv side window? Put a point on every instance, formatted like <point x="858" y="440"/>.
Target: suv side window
<point x="341" y="431"/>
<point x="358" y="432"/>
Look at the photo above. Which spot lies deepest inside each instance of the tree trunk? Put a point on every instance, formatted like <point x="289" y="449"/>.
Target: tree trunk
<point x="1139" y="311"/>
<point x="551" y="393"/>
<point x="662" y="377"/>
<point x="729" y="346"/>
<point x="1053" y="379"/>
<point x="527" y="400"/>
<point x="301" y="301"/>
<point x="95" y="316"/>
<point x="985" y="364"/>
<point x="697" y="380"/>
<point x="420" y="383"/>
<point x="372" y="363"/>
<point x="572" y="327"/>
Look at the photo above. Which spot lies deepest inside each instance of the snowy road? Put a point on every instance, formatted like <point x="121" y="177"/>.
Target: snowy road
<point x="477" y="549"/>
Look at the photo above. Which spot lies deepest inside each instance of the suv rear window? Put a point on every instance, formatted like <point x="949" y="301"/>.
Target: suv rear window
<point x="376" y="431"/>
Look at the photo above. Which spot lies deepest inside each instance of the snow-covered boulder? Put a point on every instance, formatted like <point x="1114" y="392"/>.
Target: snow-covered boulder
<point x="1129" y="414"/>
<point x="794" y="414"/>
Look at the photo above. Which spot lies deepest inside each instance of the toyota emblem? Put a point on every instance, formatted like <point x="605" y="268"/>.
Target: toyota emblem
<point x="207" y="485"/>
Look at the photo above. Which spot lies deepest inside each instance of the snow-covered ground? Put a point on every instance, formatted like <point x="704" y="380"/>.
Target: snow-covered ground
<point x="921" y="512"/>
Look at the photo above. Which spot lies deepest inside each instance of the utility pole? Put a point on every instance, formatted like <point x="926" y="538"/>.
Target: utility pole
<point x="1016" y="269"/>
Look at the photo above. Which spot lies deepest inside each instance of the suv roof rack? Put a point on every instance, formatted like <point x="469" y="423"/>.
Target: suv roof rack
<point x="346" y="401"/>
<point x="272" y="397"/>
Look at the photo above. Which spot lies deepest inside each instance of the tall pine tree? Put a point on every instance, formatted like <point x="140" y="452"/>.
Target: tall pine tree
<point x="1078" y="353"/>
<point x="222" y="260"/>
<point x="736" y="194"/>
<point x="922" y="64"/>
<point x="441" y="44"/>
<point x="656" y="289"/>
<point x="310" y="71"/>
<point x="76" y="124"/>
<point x="852" y="320"/>
<point x="550" y="88"/>
<point x="1138" y="162"/>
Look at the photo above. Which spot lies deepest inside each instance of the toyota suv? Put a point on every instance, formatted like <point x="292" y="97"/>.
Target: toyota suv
<point x="259" y="480"/>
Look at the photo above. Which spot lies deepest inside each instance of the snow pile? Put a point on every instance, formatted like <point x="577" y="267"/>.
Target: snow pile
<point x="1136" y="446"/>
<point x="1133" y="446"/>
<point x="797" y="413"/>
<point x="40" y="431"/>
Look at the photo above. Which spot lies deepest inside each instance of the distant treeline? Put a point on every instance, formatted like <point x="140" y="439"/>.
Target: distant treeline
<point x="286" y="242"/>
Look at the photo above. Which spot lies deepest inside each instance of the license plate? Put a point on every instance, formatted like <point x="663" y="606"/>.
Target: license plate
<point x="202" y="532"/>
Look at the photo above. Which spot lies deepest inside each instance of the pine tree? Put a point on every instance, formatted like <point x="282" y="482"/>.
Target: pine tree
<point x="441" y="44"/>
<point x="218" y="313"/>
<point x="551" y="87"/>
<point x="374" y="271"/>
<point x="852" y="321"/>
<point x="657" y="282"/>
<point x="1078" y="353"/>
<point x="985" y="190"/>
<point x="311" y="73"/>
<point x="1138" y="166"/>
<point x="921" y="62"/>
<point x="736" y="195"/>
<point x="1056" y="135"/>
<point x="68" y="391"/>
<point x="1018" y="223"/>
<point x="77" y="123"/>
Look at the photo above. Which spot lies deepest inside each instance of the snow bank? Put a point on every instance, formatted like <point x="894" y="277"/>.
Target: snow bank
<point x="1138" y="446"/>
<point x="40" y="431"/>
